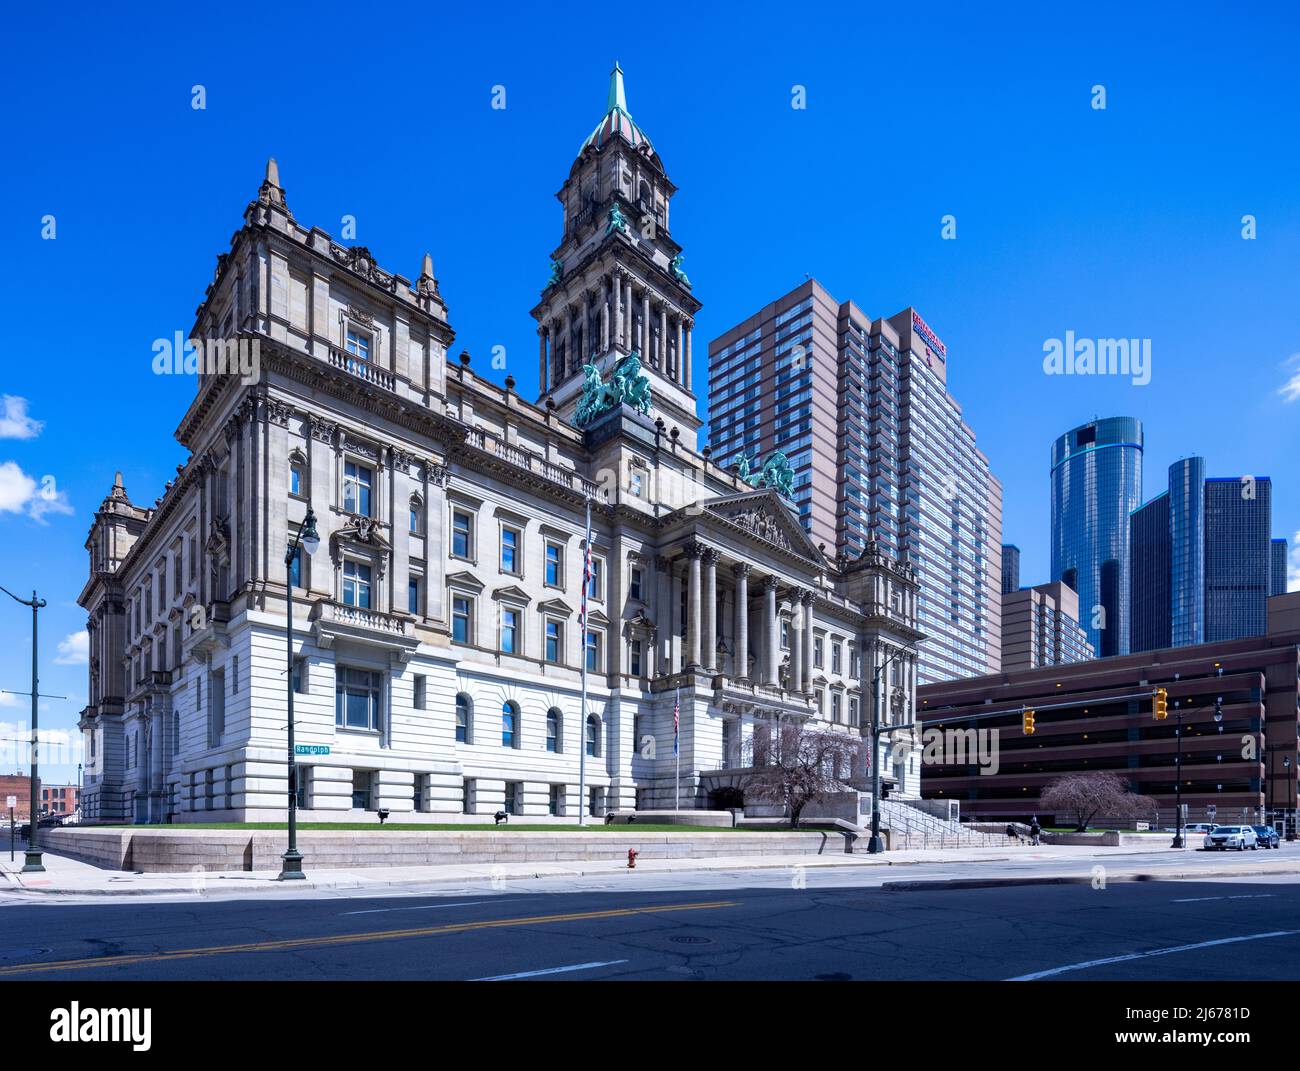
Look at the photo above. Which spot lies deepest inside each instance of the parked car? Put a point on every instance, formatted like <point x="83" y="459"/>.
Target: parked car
<point x="1197" y="827"/>
<point x="1268" y="836"/>
<point x="1222" y="838"/>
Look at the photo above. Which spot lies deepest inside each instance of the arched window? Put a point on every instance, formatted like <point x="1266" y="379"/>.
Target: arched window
<point x="509" y="724"/>
<point x="593" y="735"/>
<point x="297" y="475"/>
<point x="464" y="711"/>
<point x="554" y="723"/>
<point x="416" y="522"/>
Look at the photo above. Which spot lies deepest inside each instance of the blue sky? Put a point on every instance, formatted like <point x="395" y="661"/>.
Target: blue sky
<point x="1123" y="222"/>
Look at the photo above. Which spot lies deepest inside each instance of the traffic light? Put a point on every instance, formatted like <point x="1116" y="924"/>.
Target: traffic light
<point x="1161" y="708"/>
<point x="1027" y="723"/>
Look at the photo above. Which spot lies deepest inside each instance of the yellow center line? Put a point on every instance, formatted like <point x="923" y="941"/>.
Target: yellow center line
<point x="349" y="938"/>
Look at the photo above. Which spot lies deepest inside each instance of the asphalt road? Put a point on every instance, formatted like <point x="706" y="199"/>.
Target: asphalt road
<point x="761" y="925"/>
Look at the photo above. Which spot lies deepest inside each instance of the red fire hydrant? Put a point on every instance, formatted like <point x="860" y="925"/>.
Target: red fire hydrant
<point x="631" y="858"/>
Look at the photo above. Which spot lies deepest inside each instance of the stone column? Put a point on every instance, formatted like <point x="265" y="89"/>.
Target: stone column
<point x="772" y="628"/>
<point x="693" y="553"/>
<point x="664" y="613"/>
<point x="542" y="385"/>
<point x="645" y="327"/>
<point x="584" y="352"/>
<point x="618" y="308"/>
<point x="604" y="315"/>
<point x="710" y="609"/>
<point x="796" y="647"/>
<point x="740" y="670"/>
<point x="679" y="334"/>
<point x="663" y="336"/>
<point x="686" y="357"/>
<point x="806" y="598"/>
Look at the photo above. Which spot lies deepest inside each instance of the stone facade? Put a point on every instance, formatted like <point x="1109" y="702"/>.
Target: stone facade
<point x="436" y="643"/>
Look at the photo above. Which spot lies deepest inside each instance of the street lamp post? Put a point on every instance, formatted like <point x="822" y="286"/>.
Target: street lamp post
<point x="33" y="861"/>
<point x="291" y="867"/>
<point x="1178" y="778"/>
<point x="876" y="845"/>
<point x="1288" y="816"/>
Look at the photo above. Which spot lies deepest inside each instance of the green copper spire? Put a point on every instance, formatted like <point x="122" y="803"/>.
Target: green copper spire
<point x="617" y="98"/>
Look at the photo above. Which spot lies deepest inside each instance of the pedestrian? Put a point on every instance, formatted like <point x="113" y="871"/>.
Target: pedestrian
<point x="1012" y="832"/>
<point x="1034" y="830"/>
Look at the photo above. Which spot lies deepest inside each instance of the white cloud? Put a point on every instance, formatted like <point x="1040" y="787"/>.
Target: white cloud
<point x="21" y="493"/>
<point x="1290" y="390"/>
<point x="8" y="699"/>
<point x="14" y="421"/>
<point x="74" y="650"/>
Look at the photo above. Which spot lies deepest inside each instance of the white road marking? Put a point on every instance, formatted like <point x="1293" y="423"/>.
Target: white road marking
<point x="422" y="907"/>
<point x="1203" y="899"/>
<point x="1143" y="955"/>
<point x="550" y="970"/>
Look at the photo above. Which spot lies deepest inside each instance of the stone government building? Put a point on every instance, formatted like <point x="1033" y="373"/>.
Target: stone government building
<point x="437" y="643"/>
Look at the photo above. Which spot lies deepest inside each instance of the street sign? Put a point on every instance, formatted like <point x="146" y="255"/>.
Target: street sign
<point x="311" y="749"/>
<point x="11" y="802"/>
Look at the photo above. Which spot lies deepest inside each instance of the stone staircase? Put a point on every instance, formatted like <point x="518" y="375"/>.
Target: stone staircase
<point x="910" y="827"/>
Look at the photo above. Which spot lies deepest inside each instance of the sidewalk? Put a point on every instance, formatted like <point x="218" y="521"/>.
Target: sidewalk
<point x="71" y="877"/>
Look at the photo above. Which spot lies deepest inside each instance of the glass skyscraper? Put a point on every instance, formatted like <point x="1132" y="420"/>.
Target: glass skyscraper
<point x="1186" y="607"/>
<point x="1280" y="552"/>
<point x="1010" y="568"/>
<point x="1096" y="481"/>
<point x="1149" y="575"/>
<point x="1238" y="553"/>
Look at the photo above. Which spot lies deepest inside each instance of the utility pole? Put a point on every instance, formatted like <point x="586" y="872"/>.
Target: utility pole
<point x="33" y="862"/>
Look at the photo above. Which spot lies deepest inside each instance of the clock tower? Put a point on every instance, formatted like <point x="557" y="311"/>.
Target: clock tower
<point x="617" y="284"/>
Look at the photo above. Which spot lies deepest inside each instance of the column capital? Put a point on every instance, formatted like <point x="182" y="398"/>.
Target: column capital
<point x="694" y="549"/>
<point x="807" y="596"/>
<point x="770" y="583"/>
<point x="712" y="556"/>
<point x="742" y="569"/>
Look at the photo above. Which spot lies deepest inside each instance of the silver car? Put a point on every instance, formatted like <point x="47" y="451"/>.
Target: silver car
<point x="1222" y="838"/>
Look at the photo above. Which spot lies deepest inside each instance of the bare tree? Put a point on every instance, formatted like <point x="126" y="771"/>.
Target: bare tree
<point x="1083" y="796"/>
<point x="792" y="764"/>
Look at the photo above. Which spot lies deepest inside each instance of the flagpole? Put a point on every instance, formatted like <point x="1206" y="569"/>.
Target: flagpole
<point x="582" y="723"/>
<point x="677" y="753"/>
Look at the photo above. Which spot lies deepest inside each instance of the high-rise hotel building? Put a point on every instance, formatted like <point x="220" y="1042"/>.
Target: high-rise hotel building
<point x="880" y="452"/>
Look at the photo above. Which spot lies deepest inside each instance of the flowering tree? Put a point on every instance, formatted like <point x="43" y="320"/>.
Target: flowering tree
<point x="792" y="764"/>
<point x="1084" y="796"/>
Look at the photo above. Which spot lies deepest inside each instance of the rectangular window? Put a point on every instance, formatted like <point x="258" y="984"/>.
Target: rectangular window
<point x="595" y="643"/>
<point x="300" y="676"/>
<point x="413" y="519"/>
<point x="835" y="657"/>
<point x="295" y="479"/>
<point x="554" y="641"/>
<point x="357" y="483"/>
<point x="554" y="565"/>
<point x="510" y="631"/>
<point x="217" y="708"/>
<point x="514" y="797"/>
<point x="510" y="540"/>
<point x="357" y="698"/>
<point x="835" y="707"/>
<point x="462" y="535"/>
<point x="817" y="653"/>
<point x="413" y="595"/>
<point x="595" y="584"/>
<point x="634" y="583"/>
<point x="361" y="782"/>
<point x="634" y="658"/>
<point x="634" y="483"/>
<point x="467" y="796"/>
<point x="357" y="343"/>
<point x="556" y="802"/>
<point x="417" y="795"/>
<point x="420" y="691"/>
<point x="356" y="584"/>
<point x="462" y="619"/>
<point x="785" y="635"/>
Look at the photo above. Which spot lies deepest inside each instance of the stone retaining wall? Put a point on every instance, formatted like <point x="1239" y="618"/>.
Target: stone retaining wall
<point x="157" y="850"/>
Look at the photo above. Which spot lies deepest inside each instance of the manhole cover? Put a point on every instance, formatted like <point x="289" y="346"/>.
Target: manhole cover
<point x="687" y="939"/>
<point x="839" y="976"/>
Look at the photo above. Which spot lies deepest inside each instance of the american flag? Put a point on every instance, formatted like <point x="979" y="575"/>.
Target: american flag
<point x="677" y="719"/>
